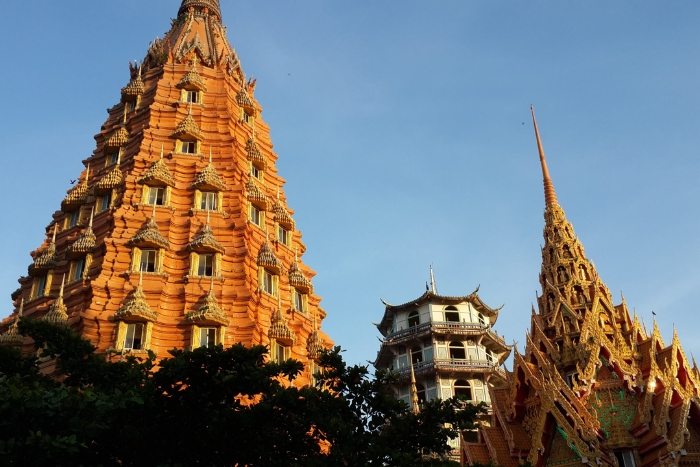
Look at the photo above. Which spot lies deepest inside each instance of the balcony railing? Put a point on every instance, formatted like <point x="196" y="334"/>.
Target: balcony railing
<point x="440" y="327"/>
<point x="452" y="364"/>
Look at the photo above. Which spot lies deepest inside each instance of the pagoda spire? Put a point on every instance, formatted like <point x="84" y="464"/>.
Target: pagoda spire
<point x="414" y="391"/>
<point x="550" y="197"/>
<point x="433" y="287"/>
<point x="212" y="6"/>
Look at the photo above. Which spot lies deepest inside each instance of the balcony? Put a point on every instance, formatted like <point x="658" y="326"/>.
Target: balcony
<point x="451" y="364"/>
<point x="442" y="327"/>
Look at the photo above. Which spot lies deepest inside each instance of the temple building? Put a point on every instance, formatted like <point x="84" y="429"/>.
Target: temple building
<point x="443" y="347"/>
<point x="177" y="233"/>
<point x="593" y="387"/>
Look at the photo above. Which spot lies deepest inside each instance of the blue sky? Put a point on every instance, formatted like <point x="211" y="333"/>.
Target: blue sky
<point x="403" y="131"/>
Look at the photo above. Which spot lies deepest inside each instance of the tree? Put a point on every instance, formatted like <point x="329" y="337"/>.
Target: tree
<point x="210" y="407"/>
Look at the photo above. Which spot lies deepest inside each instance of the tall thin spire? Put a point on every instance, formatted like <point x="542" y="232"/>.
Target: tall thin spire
<point x="550" y="197"/>
<point x="433" y="287"/>
<point x="414" y="391"/>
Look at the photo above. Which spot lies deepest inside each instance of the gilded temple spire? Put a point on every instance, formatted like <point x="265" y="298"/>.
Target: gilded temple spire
<point x="12" y="336"/>
<point x="58" y="313"/>
<point x="550" y="197"/>
<point x="414" y="391"/>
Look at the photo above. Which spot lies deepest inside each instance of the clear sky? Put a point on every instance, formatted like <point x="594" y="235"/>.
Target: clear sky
<point x="404" y="133"/>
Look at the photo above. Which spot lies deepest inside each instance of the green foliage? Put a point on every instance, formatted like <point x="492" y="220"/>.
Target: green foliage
<point x="209" y="407"/>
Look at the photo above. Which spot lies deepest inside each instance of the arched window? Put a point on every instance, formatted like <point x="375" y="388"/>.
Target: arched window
<point x="457" y="351"/>
<point x="413" y="319"/>
<point x="481" y="319"/>
<point x="416" y="355"/>
<point x="420" y="389"/>
<point x="463" y="389"/>
<point x="451" y="314"/>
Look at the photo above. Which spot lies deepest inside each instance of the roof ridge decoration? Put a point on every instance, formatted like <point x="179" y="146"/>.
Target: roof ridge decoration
<point x="48" y="259"/>
<point x="12" y="337"/>
<point x="267" y="258"/>
<point x="135" y="87"/>
<point x="117" y="139"/>
<point x="188" y="127"/>
<point x="78" y="194"/>
<point x="256" y="195"/>
<point x="209" y="312"/>
<point x="314" y="346"/>
<point x="159" y="172"/>
<point x="149" y="234"/>
<point x="137" y="306"/>
<point x="209" y="177"/>
<point x="113" y="179"/>
<point x="282" y="216"/>
<point x="58" y="312"/>
<point x="85" y="243"/>
<point x="278" y="326"/>
<point x="253" y="152"/>
<point x="297" y="279"/>
<point x="192" y="78"/>
<point x="205" y="240"/>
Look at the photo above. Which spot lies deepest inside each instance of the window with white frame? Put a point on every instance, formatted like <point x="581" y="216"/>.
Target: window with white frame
<point x="135" y="336"/>
<point x="192" y="97"/>
<point x="247" y="118"/>
<point x="269" y="282"/>
<point x="130" y="106"/>
<point x="281" y="352"/>
<point x="205" y="268"/>
<point x="104" y="202"/>
<point x="207" y="337"/>
<point x="457" y="351"/>
<point x="188" y="147"/>
<point x="452" y="314"/>
<point x="156" y="195"/>
<point x="148" y="260"/>
<point x="255" y="215"/>
<point x="209" y="201"/>
<point x="413" y="319"/>
<point x="255" y="171"/>
<point x="39" y="286"/>
<point x="283" y="235"/>
<point x="463" y="389"/>
<point x="299" y="301"/>
<point x="625" y="458"/>
<point x="416" y="355"/>
<point x="113" y="157"/>
<point x="77" y="270"/>
<point x="73" y="218"/>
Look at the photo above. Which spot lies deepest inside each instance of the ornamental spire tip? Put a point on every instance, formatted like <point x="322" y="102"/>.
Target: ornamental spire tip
<point x="550" y="197"/>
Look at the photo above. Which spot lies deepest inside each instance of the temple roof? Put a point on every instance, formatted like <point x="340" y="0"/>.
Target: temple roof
<point x="205" y="240"/>
<point x="254" y="154"/>
<point x="112" y="180"/>
<point x="281" y="214"/>
<point x="209" y="312"/>
<point x="77" y="195"/>
<point x="212" y="6"/>
<point x="48" y="259"/>
<point x="12" y="336"/>
<point x="137" y="306"/>
<point x="188" y="127"/>
<point x="135" y="87"/>
<point x="298" y="280"/>
<point x="149" y="234"/>
<point x="158" y="172"/>
<point x="256" y="195"/>
<point x="58" y="312"/>
<point x="209" y="178"/>
<point x="118" y="138"/>
<point x="85" y="243"/>
<point x="192" y="79"/>
<point x="279" y="329"/>
<point x="244" y="100"/>
<point x="267" y="259"/>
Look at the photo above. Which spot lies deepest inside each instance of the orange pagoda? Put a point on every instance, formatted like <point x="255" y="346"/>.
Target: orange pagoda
<point x="177" y="233"/>
<point x="593" y="387"/>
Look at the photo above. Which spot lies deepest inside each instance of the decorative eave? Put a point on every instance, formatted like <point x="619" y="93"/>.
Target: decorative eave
<point x="136" y="307"/>
<point x="58" y="312"/>
<point x="298" y="280"/>
<point x="188" y="127"/>
<point x="158" y="172"/>
<point x="84" y="244"/>
<point x="12" y="337"/>
<point x="279" y="329"/>
<point x="149" y="235"/>
<point x="192" y="80"/>
<point x="77" y="196"/>
<point x="110" y="181"/>
<point x="209" y="313"/>
<point x="48" y="259"/>
<point x="314" y="346"/>
<point x="282" y="216"/>
<point x="209" y="178"/>
<point x="268" y="260"/>
<point x="117" y="139"/>
<point x="255" y="195"/>
<point x="254" y="154"/>
<point x="135" y="88"/>
<point x="205" y="241"/>
<point x="244" y="100"/>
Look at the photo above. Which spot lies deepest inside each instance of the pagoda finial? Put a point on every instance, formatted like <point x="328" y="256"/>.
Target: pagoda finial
<point x="140" y="279"/>
<point x="162" y="149"/>
<point x="21" y="309"/>
<point x="55" y="228"/>
<point x="209" y="152"/>
<point x="153" y="212"/>
<point x="550" y="197"/>
<point x="63" y="284"/>
<point x="433" y="287"/>
<point x="414" y="390"/>
<point x="208" y="211"/>
<point x="92" y="214"/>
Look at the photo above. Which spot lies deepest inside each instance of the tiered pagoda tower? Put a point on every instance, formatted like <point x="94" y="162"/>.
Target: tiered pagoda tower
<point x="177" y="233"/>
<point x="593" y="387"/>
<point x="442" y="347"/>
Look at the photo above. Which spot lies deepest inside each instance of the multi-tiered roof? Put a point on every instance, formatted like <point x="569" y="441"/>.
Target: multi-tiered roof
<point x="593" y="386"/>
<point x="181" y="234"/>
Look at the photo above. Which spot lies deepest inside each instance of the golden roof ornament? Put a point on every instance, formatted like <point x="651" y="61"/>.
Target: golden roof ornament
<point x="192" y="79"/>
<point x="205" y="240"/>
<point x="282" y="216"/>
<point x="135" y="87"/>
<point x="48" y="259"/>
<point x="149" y="235"/>
<point x="113" y="179"/>
<point x="210" y="312"/>
<point x="58" y="312"/>
<point x="297" y="279"/>
<point x="253" y="152"/>
<point x="267" y="259"/>
<point x="12" y="337"/>
<point x="85" y="243"/>
<point x="414" y="392"/>
<point x="209" y="6"/>
<point x="118" y="138"/>
<point x="314" y="345"/>
<point x="550" y="197"/>
<point x="137" y="306"/>
<point x="158" y="172"/>
<point x="78" y="194"/>
<point x="256" y="195"/>
<point x="209" y="177"/>
<point x="188" y="127"/>
<point x="278" y="327"/>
